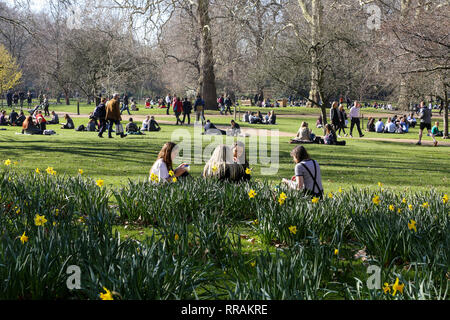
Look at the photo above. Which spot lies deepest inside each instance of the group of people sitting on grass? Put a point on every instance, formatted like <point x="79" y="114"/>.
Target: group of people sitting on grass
<point x="230" y="163"/>
<point x="306" y="136"/>
<point x="14" y="118"/>
<point x="257" y="117"/>
<point x="393" y="124"/>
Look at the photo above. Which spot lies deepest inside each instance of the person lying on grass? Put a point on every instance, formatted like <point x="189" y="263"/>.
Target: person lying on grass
<point x="307" y="174"/>
<point x="162" y="170"/>
<point x="210" y="128"/>
<point x="222" y="166"/>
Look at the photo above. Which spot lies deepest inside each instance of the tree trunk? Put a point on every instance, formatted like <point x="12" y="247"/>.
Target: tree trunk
<point x="403" y="98"/>
<point x="66" y="94"/>
<point x="207" y="76"/>
<point x="445" y="113"/>
<point x="315" y="23"/>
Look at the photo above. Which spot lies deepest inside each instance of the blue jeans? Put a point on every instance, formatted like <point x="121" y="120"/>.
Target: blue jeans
<point x="125" y="107"/>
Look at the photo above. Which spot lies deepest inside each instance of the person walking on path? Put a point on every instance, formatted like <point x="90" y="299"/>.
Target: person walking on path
<point x="125" y="104"/>
<point x="46" y="105"/>
<point x="100" y="114"/>
<point x="425" y="122"/>
<point x="177" y="109"/>
<point x="228" y="104"/>
<point x="199" y="105"/>
<point x="334" y="116"/>
<point x="168" y="102"/>
<point x="355" y="116"/>
<point x="187" y="108"/>
<point x="342" y="119"/>
<point x="113" y="115"/>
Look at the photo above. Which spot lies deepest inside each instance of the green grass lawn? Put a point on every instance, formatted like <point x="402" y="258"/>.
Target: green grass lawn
<point x="362" y="163"/>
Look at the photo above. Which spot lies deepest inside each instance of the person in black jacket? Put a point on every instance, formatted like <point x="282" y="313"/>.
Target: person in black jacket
<point x="342" y="118"/>
<point x="16" y="98"/>
<point x="21" y="98"/>
<point x="9" y="98"/>
<point x="228" y="104"/>
<point x="187" y="108"/>
<point x="29" y="98"/>
<point x="20" y="119"/>
<point x="13" y="116"/>
<point x="334" y="115"/>
<point x="100" y="114"/>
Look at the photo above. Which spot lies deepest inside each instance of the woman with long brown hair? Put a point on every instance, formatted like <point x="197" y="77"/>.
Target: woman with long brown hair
<point x="29" y="127"/>
<point x="307" y="173"/>
<point x="162" y="168"/>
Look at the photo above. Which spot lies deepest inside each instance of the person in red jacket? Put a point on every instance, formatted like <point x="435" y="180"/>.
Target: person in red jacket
<point x="177" y="105"/>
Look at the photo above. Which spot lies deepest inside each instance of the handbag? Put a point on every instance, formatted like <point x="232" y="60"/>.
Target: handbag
<point x="119" y="129"/>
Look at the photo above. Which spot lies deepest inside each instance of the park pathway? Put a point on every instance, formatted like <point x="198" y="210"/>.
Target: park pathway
<point x="265" y="132"/>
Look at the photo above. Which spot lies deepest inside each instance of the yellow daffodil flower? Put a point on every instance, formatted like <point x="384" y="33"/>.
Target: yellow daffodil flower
<point x="174" y="179"/>
<point x="445" y="199"/>
<point x="7" y="162"/>
<point x="404" y="200"/>
<point x="248" y="171"/>
<point x="16" y="163"/>
<point x="99" y="182"/>
<point x="49" y="170"/>
<point x="425" y="205"/>
<point x="336" y="252"/>
<point x="255" y="221"/>
<point x="107" y="295"/>
<point x="376" y="200"/>
<point x="177" y="237"/>
<point x="23" y="238"/>
<point x="397" y="287"/>
<point x="171" y="173"/>
<point x="412" y="225"/>
<point x="380" y="184"/>
<point x="330" y="195"/>
<point x="214" y="168"/>
<point x="340" y="190"/>
<point x="80" y="171"/>
<point x="37" y="170"/>
<point x="410" y="206"/>
<point x="386" y="288"/>
<point x="39" y="220"/>
<point x="251" y="194"/>
<point x="154" y="177"/>
<point x="293" y="229"/>
<point x="315" y="200"/>
<point x="253" y="264"/>
<point x="391" y="207"/>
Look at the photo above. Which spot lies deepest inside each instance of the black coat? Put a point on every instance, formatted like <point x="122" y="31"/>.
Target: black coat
<point x="187" y="107"/>
<point x="334" y="116"/>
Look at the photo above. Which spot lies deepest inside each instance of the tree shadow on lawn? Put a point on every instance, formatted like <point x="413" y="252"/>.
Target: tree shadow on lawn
<point x="126" y="153"/>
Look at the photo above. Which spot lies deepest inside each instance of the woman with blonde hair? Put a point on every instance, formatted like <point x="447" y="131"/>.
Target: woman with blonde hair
<point x="222" y="165"/>
<point x="304" y="134"/>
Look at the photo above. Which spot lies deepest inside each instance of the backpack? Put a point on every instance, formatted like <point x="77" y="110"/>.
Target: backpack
<point x="80" y="128"/>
